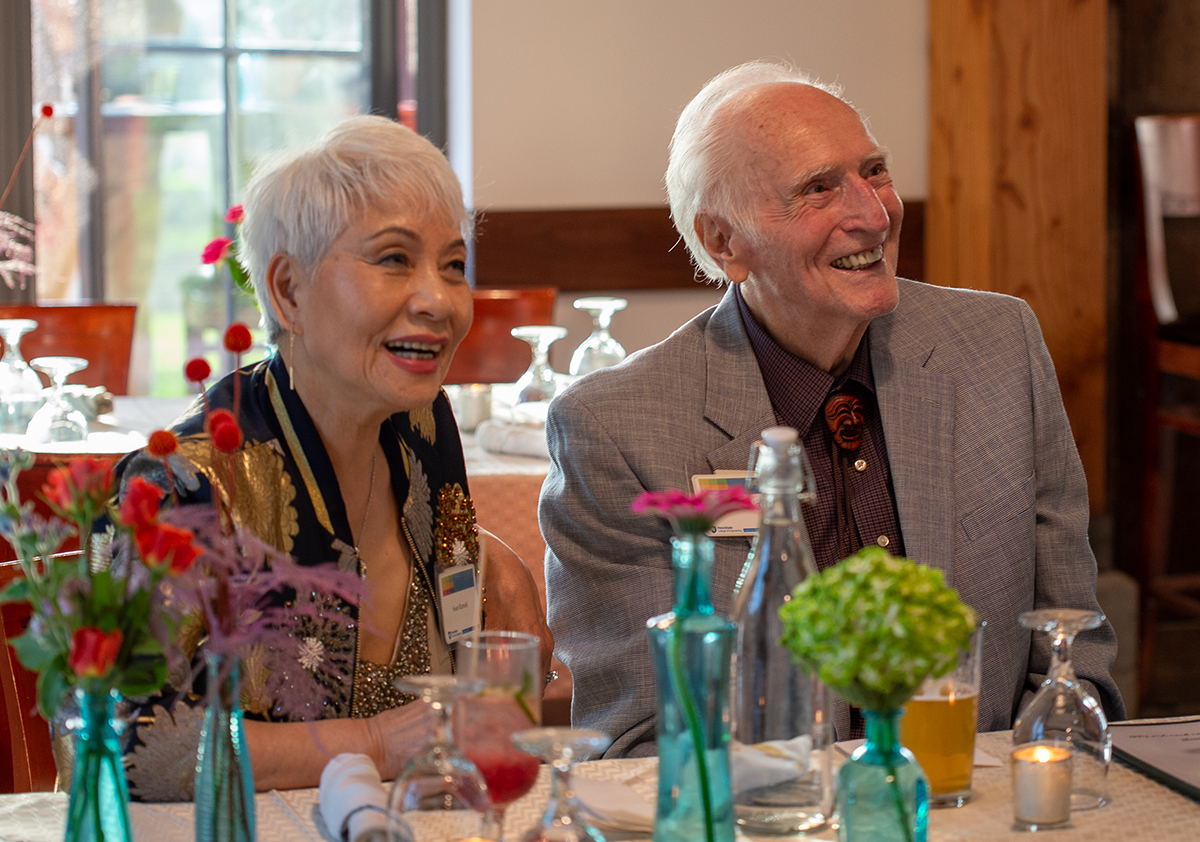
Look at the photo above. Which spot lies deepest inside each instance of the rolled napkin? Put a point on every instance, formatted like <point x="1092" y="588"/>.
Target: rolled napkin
<point x="613" y="804"/>
<point x="514" y="439"/>
<point x="353" y="803"/>
<point x="767" y="764"/>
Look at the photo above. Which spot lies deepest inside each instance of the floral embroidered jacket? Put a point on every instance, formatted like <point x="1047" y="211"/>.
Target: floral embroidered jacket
<point x="286" y="493"/>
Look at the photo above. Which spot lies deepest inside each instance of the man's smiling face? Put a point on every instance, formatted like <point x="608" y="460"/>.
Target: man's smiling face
<point x="826" y="216"/>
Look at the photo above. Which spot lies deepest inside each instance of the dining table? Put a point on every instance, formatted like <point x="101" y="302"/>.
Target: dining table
<point x="1139" y="809"/>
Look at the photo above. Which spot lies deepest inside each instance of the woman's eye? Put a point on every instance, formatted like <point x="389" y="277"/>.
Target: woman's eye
<point x="459" y="266"/>
<point x="396" y="258"/>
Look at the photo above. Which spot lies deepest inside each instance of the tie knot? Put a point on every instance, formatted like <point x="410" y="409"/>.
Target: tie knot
<point x="844" y="417"/>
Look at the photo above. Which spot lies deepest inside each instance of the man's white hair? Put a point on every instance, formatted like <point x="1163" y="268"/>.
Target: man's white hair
<point x="706" y="168"/>
<point x="300" y="201"/>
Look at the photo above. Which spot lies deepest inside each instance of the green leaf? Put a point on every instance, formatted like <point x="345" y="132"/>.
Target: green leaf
<point x="143" y="677"/>
<point x="52" y="687"/>
<point x="18" y="590"/>
<point x="33" y="653"/>
<point x="238" y="272"/>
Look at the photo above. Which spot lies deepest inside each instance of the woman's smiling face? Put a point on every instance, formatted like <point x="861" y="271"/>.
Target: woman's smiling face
<point x="383" y="312"/>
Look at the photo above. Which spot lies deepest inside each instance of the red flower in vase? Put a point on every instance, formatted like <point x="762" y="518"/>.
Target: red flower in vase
<point x="224" y="431"/>
<point x="94" y="651"/>
<point x="235" y="215"/>
<point x="237" y="338"/>
<point x="139" y="506"/>
<point x="162" y="443"/>
<point x="83" y="486"/>
<point x="216" y="251"/>
<point x="197" y="370"/>
<point x="164" y="545"/>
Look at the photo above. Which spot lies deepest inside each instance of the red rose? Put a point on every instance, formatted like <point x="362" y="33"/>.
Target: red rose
<point x="197" y="370"/>
<point x="87" y="480"/>
<point x="215" y="251"/>
<point x="47" y="109"/>
<point x="163" y="544"/>
<point x="139" y="506"/>
<point x="94" y="651"/>
<point x="237" y="338"/>
<point x="162" y="444"/>
<point x="235" y="215"/>
<point x="58" y="489"/>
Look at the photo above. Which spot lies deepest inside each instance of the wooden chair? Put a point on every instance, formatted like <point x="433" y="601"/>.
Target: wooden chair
<point x="1168" y="148"/>
<point x="489" y="353"/>
<point x="27" y="735"/>
<point x="100" y="333"/>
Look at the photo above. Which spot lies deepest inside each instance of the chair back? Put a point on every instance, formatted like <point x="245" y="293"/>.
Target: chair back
<point x="489" y="353"/>
<point x="1168" y="147"/>
<point x="100" y="333"/>
<point x="27" y="735"/>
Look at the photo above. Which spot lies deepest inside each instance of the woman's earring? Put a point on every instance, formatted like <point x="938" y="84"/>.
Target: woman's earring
<point x="292" y="361"/>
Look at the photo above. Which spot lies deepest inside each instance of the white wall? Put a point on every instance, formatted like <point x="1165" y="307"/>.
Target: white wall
<point x="575" y="102"/>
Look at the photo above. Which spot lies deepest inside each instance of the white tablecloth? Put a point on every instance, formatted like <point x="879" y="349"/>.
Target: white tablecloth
<point x="1141" y="810"/>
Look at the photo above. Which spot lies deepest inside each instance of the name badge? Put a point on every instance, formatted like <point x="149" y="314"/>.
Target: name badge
<point x="460" y="599"/>
<point x="735" y="524"/>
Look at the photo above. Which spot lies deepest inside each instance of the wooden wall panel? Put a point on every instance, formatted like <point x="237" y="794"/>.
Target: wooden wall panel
<point x="1018" y="122"/>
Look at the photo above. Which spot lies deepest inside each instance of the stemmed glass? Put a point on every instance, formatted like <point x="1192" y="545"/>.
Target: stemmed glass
<point x="20" y="387"/>
<point x="562" y="748"/>
<point x="510" y="701"/>
<point x="1063" y="710"/>
<point x="599" y="350"/>
<point x="440" y="793"/>
<point x="540" y="381"/>
<point x="58" y="419"/>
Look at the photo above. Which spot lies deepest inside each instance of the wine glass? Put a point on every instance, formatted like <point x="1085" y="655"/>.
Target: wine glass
<point x="1063" y="710"/>
<point x="562" y="748"/>
<point x="540" y="381"/>
<point x="440" y="794"/>
<point x="510" y="701"/>
<point x="58" y="419"/>
<point x="20" y="387"/>
<point x="599" y="350"/>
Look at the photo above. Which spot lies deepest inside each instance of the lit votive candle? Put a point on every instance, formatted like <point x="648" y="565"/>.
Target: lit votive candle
<point x="1041" y="774"/>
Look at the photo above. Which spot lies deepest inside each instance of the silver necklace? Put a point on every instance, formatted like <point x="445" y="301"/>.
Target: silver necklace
<point x="362" y="567"/>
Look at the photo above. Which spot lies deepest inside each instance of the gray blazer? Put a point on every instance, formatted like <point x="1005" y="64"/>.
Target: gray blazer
<point x="988" y="485"/>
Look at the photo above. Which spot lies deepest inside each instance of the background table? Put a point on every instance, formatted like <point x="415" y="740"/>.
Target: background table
<point x="1141" y="810"/>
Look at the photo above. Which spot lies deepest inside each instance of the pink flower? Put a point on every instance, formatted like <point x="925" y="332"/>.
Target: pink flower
<point x="235" y="215"/>
<point x="216" y="251"/>
<point x="694" y="513"/>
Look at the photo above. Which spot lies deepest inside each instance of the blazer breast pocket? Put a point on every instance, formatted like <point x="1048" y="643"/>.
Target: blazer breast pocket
<point x="1006" y="506"/>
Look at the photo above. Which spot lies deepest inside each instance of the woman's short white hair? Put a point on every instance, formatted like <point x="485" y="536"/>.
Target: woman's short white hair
<point x="705" y="170"/>
<point x="299" y="201"/>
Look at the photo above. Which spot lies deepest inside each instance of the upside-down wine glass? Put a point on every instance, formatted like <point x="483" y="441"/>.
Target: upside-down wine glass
<point x="20" y="387"/>
<point x="540" y="381"/>
<point x="599" y="350"/>
<point x="1064" y="710"/>
<point x="440" y="794"/>
<point x="562" y="748"/>
<point x="58" y="419"/>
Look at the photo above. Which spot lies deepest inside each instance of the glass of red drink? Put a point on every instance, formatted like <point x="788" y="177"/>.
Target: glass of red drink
<point x="510" y="701"/>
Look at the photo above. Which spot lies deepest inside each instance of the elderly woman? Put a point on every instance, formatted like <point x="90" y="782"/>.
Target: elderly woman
<point x="357" y="251"/>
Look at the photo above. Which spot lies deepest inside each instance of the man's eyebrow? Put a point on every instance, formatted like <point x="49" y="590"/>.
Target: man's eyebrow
<point x="880" y="153"/>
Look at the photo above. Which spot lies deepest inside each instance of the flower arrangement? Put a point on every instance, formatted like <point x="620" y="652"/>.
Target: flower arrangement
<point x="101" y="620"/>
<point x="873" y="627"/>
<point x="16" y="235"/>
<point x="224" y="250"/>
<point x="694" y="514"/>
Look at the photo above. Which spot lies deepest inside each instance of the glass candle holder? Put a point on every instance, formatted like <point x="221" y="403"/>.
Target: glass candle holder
<point x="1041" y="776"/>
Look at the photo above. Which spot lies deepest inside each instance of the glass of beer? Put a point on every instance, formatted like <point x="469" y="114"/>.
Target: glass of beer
<point x="939" y="726"/>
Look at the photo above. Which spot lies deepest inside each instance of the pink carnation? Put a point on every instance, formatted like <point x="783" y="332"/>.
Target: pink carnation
<point x="694" y="513"/>
<point x="235" y="215"/>
<point x="217" y="250"/>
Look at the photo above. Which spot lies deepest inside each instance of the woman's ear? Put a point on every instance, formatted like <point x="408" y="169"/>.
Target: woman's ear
<point x="723" y="245"/>
<point x="283" y="279"/>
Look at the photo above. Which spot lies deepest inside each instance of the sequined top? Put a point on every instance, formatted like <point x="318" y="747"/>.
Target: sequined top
<point x="284" y="490"/>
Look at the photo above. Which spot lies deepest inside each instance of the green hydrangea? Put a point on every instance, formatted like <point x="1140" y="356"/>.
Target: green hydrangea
<point x="874" y="626"/>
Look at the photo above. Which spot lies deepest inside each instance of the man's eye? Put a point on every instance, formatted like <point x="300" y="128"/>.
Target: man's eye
<point x="877" y="169"/>
<point x="459" y="266"/>
<point x="816" y="188"/>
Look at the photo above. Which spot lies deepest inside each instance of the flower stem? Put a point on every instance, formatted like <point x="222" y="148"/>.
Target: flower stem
<point x="693" y="722"/>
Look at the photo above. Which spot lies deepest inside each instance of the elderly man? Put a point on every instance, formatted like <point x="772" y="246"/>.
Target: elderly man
<point x="966" y="461"/>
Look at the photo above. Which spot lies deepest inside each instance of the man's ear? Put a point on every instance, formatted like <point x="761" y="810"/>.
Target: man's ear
<point x="724" y="245"/>
<point x="283" y="283"/>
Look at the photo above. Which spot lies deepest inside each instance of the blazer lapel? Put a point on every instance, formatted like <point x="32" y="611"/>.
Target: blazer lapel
<point x="916" y="405"/>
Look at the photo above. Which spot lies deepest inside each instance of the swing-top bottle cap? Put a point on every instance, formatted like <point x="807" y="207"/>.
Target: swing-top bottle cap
<point x="780" y="437"/>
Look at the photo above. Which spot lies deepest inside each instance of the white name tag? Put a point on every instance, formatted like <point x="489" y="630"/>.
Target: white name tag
<point x="460" y="599"/>
<point x="734" y="524"/>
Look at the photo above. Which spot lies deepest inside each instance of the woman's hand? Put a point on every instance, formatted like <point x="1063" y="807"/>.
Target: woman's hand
<point x="513" y="603"/>
<point x="396" y="736"/>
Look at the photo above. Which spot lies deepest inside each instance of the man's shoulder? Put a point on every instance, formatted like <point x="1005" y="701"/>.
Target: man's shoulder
<point x="935" y="313"/>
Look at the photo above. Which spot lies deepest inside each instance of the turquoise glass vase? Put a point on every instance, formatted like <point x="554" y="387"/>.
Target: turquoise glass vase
<point x="882" y="794"/>
<point x="224" y="784"/>
<point x="99" y="806"/>
<point x="692" y="647"/>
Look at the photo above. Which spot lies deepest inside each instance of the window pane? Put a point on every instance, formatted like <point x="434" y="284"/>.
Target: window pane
<point x="192" y="22"/>
<point x="328" y="25"/>
<point x="285" y="101"/>
<point x="161" y="82"/>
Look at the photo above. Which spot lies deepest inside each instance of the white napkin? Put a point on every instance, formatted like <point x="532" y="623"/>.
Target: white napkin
<point x="981" y="759"/>
<point x="767" y="764"/>
<point x="613" y="804"/>
<point x="348" y="783"/>
<point x="515" y="439"/>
